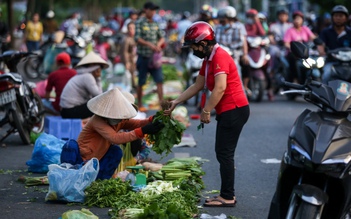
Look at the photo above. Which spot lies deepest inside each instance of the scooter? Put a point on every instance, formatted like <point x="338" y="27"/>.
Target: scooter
<point x="258" y="60"/>
<point x="314" y="179"/>
<point x="192" y="65"/>
<point x="21" y="106"/>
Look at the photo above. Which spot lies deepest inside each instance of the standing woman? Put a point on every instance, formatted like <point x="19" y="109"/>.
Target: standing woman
<point x="33" y="33"/>
<point x="218" y="74"/>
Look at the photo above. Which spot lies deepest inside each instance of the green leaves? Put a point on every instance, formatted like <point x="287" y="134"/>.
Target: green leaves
<point x="170" y="135"/>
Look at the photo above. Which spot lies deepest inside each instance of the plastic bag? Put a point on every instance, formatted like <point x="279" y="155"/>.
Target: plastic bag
<point x="156" y="60"/>
<point x="47" y="150"/>
<point x="67" y="183"/>
<point x="79" y="214"/>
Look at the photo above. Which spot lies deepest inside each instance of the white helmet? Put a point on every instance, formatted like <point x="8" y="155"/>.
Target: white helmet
<point x="226" y="12"/>
<point x="50" y="14"/>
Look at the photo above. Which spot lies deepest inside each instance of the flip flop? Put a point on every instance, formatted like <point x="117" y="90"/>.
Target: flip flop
<point x="215" y="197"/>
<point x="222" y="203"/>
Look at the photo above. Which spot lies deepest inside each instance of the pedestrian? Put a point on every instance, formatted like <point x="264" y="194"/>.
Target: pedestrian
<point x="128" y="52"/>
<point x="101" y="136"/>
<point x="57" y="81"/>
<point x="33" y="34"/>
<point x="149" y="38"/>
<point x="219" y="75"/>
<point x="82" y="87"/>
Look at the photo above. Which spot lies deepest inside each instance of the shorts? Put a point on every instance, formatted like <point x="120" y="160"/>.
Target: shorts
<point x="143" y="70"/>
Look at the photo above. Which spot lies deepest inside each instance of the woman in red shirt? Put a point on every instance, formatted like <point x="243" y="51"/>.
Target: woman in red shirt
<point x="219" y="75"/>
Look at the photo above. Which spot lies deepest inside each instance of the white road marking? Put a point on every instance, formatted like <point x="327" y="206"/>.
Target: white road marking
<point x="270" y="160"/>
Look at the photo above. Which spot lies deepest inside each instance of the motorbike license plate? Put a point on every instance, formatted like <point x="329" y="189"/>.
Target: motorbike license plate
<point x="7" y="96"/>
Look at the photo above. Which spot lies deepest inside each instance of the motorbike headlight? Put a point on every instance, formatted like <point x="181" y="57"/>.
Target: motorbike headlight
<point x="309" y="62"/>
<point x="320" y="62"/>
<point x="300" y="156"/>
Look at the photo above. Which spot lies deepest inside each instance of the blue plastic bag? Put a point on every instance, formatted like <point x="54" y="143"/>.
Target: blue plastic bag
<point x="67" y="182"/>
<point x="47" y="150"/>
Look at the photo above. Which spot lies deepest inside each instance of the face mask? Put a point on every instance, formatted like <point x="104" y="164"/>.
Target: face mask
<point x="199" y="54"/>
<point x="114" y="121"/>
<point x="249" y="21"/>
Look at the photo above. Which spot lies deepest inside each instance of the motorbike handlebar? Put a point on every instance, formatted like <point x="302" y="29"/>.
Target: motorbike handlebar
<point x="294" y="86"/>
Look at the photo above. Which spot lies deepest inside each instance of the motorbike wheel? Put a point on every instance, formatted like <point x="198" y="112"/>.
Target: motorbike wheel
<point x="39" y="124"/>
<point x="32" y="67"/>
<point x="20" y="124"/>
<point x="307" y="210"/>
<point x="257" y="88"/>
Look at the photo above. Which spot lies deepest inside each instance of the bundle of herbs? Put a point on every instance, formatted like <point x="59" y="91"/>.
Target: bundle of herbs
<point x="163" y="141"/>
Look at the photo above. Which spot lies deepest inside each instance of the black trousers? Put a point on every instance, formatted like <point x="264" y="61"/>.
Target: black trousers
<point x="229" y="126"/>
<point x="78" y="112"/>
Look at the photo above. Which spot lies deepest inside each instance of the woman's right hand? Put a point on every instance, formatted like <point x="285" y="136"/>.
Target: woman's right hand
<point x="168" y="111"/>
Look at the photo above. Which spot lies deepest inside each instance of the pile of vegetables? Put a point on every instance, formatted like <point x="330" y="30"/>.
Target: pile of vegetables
<point x="176" y="198"/>
<point x="170" y="73"/>
<point x="163" y="141"/>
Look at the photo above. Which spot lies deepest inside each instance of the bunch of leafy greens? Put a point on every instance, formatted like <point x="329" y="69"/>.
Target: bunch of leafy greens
<point x="170" y="135"/>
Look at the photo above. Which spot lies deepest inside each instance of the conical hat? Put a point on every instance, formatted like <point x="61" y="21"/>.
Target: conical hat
<point x="131" y="99"/>
<point x="92" y="58"/>
<point x="112" y="104"/>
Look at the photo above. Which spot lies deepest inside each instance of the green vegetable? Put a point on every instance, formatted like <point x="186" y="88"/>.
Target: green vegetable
<point x="104" y="193"/>
<point x="170" y="135"/>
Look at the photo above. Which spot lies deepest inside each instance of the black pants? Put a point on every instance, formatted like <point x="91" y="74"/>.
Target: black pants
<point x="229" y="126"/>
<point x="78" y="112"/>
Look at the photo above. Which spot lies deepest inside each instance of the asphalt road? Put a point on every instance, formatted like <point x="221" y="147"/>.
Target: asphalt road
<point x="260" y="148"/>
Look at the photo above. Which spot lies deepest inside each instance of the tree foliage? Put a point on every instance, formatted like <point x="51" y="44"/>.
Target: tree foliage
<point x="326" y="6"/>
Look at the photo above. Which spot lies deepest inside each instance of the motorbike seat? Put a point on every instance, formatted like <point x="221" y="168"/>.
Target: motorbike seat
<point x="17" y="78"/>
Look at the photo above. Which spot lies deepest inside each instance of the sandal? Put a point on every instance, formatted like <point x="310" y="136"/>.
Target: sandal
<point x="220" y="203"/>
<point x="215" y="197"/>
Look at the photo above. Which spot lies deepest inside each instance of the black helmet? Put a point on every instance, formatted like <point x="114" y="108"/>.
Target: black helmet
<point x="282" y="11"/>
<point x="340" y="9"/>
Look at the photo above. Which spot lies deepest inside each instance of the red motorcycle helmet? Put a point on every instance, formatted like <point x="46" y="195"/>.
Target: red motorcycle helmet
<point x="298" y="13"/>
<point x="251" y="12"/>
<point x="197" y="32"/>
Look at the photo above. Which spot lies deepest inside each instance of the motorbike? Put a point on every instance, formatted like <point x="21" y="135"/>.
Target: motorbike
<point x="258" y="60"/>
<point x="41" y="63"/>
<point x="314" y="179"/>
<point x="192" y="65"/>
<point x="21" y="107"/>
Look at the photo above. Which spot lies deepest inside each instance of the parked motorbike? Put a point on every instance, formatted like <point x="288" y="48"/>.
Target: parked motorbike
<point x="314" y="177"/>
<point x="21" y="107"/>
<point x="258" y="60"/>
<point x="34" y="65"/>
<point x="42" y="62"/>
<point x="192" y="65"/>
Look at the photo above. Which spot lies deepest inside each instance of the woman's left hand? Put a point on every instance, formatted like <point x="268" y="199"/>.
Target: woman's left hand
<point x="205" y="117"/>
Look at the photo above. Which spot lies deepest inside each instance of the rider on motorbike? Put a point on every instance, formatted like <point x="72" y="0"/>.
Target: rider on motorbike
<point x="253" y="27"/>
<point x="276" y="35"/>
<point x="299" y="33"/>
<point x="337" y="35"/>
<point x="232" y="34"/>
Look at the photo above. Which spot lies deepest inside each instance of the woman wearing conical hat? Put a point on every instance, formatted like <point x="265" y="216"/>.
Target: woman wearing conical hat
<point x="82" y="87"/>
<point x="100" y="137"/>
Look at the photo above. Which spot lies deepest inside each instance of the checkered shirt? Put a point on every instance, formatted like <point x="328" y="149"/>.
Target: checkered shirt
<point x="149" y="31"/>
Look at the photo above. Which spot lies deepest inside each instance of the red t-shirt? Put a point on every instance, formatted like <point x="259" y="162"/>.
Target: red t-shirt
<point x="220" y="62"/>
<point x="58" y="79"/>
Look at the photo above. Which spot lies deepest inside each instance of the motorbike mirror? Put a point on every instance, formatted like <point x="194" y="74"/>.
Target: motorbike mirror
<point x="299" y="49"/>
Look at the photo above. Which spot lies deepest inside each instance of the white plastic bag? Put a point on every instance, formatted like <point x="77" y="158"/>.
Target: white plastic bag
<point x="67" y="182"/>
